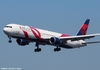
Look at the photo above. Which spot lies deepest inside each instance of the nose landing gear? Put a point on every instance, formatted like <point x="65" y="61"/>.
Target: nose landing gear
<point x="10" y="41"/>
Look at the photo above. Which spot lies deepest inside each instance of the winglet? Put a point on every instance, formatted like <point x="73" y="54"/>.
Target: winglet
<point x="84" y="28"/>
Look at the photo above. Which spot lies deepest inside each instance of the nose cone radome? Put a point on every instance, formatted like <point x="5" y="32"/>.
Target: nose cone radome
<point x="7" y="31"/>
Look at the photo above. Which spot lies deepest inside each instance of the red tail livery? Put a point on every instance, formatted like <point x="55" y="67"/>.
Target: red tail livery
<point x="84" y="28"/>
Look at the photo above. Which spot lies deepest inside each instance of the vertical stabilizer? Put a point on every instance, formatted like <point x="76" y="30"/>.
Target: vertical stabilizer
<point x="84" y="28"/>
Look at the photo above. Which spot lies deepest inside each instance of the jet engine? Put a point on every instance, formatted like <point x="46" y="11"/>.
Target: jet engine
<point x="22" y="42"/>
<point x="54" y="40"/>
<point x="79" y="43"/>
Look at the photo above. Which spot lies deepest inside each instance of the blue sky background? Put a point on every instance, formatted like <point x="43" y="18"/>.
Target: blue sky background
<point x="64" y="16"/>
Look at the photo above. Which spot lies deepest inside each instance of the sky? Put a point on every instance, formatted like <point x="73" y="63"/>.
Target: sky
<point x="63" y="16"/>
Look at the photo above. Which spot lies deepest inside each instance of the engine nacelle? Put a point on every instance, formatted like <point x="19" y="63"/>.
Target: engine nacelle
<point x="54" y="40"/>
<point x="22" y="42"/>
<point x="74" y="44"/>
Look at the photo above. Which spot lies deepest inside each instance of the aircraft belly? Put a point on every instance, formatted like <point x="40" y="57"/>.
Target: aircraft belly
<point x="66" y="46"/>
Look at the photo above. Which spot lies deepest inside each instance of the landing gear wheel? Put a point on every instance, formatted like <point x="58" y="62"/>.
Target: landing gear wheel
<point x="57" y="49"/>
<point x="37" y="50"/>
<point x="10" y="41"/>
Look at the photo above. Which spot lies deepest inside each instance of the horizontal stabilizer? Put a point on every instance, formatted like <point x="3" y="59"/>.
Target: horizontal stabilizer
<point x="92" y="42"/>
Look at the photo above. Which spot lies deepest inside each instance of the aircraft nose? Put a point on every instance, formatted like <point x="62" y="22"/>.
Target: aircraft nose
<point x="4" y="29"/>
<point x="7" y="31"/>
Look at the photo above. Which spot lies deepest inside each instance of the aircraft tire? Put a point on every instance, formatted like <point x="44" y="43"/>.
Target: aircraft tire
<point x="57" y="49"/>
<point x="37" y="50"/>
<point x="10" y="41"/>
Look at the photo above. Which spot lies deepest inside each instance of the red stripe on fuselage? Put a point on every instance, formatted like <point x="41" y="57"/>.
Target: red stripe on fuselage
<point x="36" y="33"/>
<point x="26" y="35"/>
<point x="64" y="35"/>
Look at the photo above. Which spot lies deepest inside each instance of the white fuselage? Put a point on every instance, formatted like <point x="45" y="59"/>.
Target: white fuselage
<point x="35" y="34"/>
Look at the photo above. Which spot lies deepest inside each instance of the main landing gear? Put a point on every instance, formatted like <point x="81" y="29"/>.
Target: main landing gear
<point x="37" y="49"/>
<point x="10" y="41"/>
<point x="57" y="49"/>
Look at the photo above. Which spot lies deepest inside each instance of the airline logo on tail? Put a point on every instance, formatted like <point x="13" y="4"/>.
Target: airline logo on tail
<point x="84" y="28"/>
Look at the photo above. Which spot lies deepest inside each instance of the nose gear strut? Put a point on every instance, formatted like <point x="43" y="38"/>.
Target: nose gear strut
<point x="10" y="41"/>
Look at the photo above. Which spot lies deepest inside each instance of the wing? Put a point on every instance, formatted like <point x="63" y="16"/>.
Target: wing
<point x="73" y="38"/>
<point x="80" y="37"/>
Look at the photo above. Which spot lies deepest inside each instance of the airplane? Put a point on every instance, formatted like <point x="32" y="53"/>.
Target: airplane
<point x="26" y="34"/>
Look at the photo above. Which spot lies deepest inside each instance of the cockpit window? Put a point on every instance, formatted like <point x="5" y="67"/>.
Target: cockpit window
<point x="8" y="26"/>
